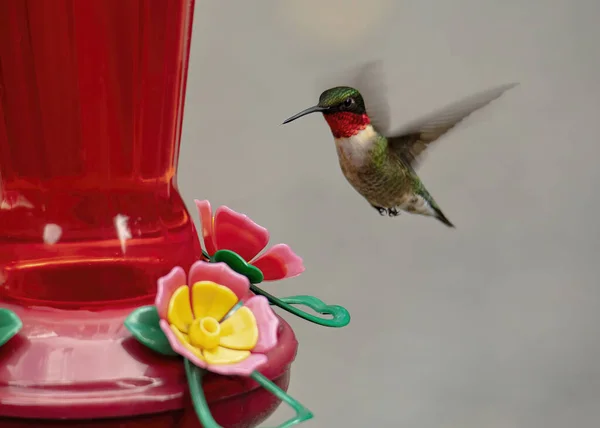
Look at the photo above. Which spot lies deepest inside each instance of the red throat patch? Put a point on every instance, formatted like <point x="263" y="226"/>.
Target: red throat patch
<point x="345" y="124"/>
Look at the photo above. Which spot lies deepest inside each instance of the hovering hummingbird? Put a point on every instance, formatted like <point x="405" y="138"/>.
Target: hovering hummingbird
<point x="381" y="165"/>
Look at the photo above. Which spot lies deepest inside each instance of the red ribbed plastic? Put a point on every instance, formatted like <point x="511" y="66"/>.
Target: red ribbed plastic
<point x="91" y="108"/>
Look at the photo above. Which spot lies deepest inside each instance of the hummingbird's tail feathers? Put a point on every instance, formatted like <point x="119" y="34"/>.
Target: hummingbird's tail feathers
<point x="434" y="210"/>
<point x="441" y="217"/>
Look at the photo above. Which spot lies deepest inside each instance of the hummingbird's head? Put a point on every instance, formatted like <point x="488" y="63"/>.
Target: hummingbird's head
<point x="344" y="110"/>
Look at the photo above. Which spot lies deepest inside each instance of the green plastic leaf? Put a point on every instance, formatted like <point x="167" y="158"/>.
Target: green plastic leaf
<point x="143" y="324"/>
<point x="10" y="324"/>
<point x="238" y="264"/>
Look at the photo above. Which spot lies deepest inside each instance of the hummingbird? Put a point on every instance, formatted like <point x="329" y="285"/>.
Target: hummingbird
<point x="381" y="165"/>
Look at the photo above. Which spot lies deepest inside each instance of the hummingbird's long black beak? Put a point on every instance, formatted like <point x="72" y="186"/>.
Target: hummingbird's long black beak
<point x="313" y="109"/>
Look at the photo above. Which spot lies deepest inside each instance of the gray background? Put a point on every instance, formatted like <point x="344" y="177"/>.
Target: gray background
<point x="493" y="324"/>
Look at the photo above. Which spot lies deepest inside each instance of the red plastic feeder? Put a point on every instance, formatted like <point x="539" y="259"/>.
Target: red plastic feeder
<point x="91" y="102"/>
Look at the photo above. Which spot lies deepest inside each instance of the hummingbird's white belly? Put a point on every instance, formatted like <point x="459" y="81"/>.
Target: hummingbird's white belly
<point x="355" y="156"/>
<point x="356" y="161"/>
<point x="355" y="150"/>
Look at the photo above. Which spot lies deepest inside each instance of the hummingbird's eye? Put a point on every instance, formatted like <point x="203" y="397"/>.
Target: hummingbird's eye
<point x="348" y="102"/>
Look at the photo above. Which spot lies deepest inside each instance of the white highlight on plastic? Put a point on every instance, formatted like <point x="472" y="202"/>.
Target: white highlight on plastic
<point x="52" y="233"/>
<point x="123" y="232"/>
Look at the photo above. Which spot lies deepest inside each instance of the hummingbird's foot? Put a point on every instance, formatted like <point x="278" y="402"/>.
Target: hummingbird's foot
<point x="393" y="212"/>
<point x="382" y="211"/>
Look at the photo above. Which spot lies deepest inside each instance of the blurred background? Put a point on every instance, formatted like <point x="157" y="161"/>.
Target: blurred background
<point x="493" y="324"/>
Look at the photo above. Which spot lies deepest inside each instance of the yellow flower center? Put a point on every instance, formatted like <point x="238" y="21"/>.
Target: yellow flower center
<point x="205" y="333"/>
<point x="200" y="332"/>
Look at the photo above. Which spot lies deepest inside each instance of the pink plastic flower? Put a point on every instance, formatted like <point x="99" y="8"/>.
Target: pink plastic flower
<point x="230" y="230"/>
<point x="194" y="319"/>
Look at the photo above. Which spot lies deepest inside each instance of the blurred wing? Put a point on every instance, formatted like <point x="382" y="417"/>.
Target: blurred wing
<point x="413" y="139"/>
<point x="369" y="79"/>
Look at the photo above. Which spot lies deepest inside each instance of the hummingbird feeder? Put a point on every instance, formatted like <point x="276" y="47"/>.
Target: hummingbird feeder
<point x="114" y="310"/>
